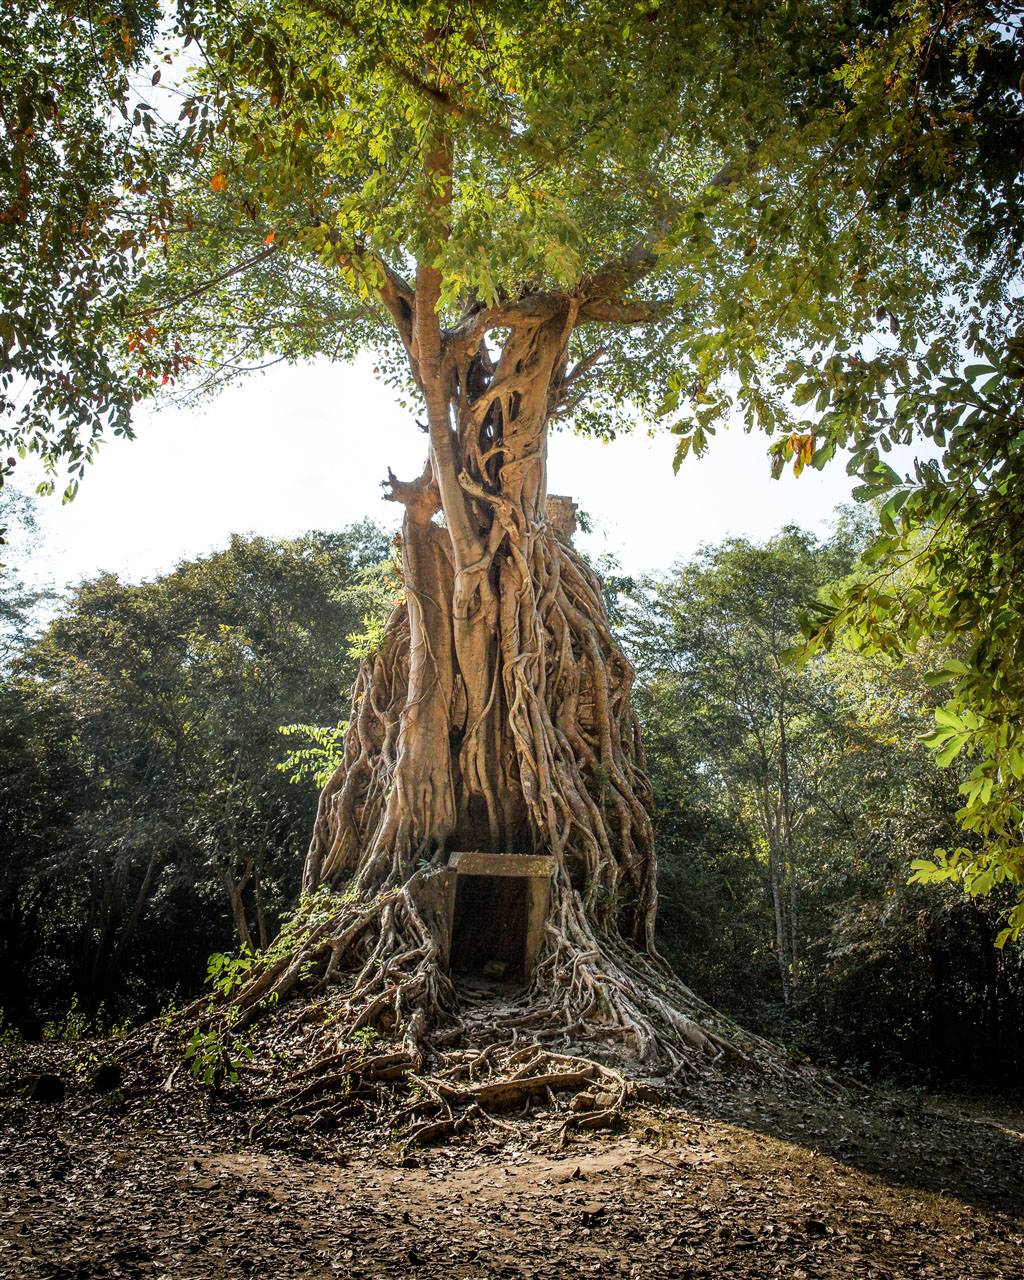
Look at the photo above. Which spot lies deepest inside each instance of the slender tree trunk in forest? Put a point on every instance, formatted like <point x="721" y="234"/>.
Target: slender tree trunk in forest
<point x="770" y="803"/>
<point x="132" y="922"/>
<point x="776" y="874"/>
<point x="786" y="824"/>
<point x="235" y="889"/>
<point x="102" y="958"/>
<point x="261" y="917"/>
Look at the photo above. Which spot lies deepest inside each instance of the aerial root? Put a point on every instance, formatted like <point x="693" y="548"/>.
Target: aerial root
<point x="421" y="1107"/>
<point x="353" y="1013"/>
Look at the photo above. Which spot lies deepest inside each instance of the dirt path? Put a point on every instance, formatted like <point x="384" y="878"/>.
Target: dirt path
<point x="734" y="1188"/>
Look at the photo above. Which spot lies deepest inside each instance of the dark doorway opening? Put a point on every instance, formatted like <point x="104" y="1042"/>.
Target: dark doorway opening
<point x="489" y="927"/>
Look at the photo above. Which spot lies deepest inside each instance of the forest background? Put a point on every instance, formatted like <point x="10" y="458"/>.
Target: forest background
<point x="154" y="813"/>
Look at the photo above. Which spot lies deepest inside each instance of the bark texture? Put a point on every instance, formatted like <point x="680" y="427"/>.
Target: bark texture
<point x="496" y="714"/>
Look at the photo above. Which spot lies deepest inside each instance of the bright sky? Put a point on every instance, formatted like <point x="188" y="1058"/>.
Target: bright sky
<point x="306" y="447"/>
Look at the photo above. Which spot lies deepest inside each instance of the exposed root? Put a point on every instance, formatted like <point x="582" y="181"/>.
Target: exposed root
<point x="361" y="1019"/>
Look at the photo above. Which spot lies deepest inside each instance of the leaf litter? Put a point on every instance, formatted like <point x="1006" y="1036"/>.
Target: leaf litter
<point x="724" y="1182"/>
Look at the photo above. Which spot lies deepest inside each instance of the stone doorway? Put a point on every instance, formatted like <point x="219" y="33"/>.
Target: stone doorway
<point x="497" y="907"/>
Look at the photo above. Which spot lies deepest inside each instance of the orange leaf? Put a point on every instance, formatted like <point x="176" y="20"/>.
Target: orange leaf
<point x="219" y="181"/>
<point x="270" y="238"/>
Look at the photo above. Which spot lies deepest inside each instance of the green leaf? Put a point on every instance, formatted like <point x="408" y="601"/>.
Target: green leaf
<point x="682" y="449"/>
<point x="952" y="749"/>
<point x="953" y="669"/>
<point x="925" y="872"/>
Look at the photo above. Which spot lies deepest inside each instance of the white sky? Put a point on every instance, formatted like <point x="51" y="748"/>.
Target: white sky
<point x="299" y="448"/>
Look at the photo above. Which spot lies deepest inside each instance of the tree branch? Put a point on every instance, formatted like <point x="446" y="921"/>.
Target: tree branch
<point x="428" y="351"/>
<point x="400" y="299"/>
<point x="614" y="277"/>
<point x="420" y="497"/>
<point x="583" y="367"/>
<point x="615" y="311"/>
<point x="207" y="285"/>
<point x="530" y="309"/>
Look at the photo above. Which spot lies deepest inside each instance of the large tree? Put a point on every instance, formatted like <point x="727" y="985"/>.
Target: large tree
<point x="531" y="211"/>
<point x="521" y="206"/>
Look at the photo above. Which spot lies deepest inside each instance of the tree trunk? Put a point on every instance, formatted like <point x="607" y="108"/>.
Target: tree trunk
<point x="261" y="918"/>
<point x="786" y="815"/>
<point x="496" y="713"/>
<point x="776" y="874"/>
<point x="494" y="717"/>
<point x="234" y="890"/>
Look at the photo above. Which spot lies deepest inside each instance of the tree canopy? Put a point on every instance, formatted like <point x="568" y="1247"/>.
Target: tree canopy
<point x="139" y="736"/>
<point x="708" y="640"/>
<point x="789" y="806"/>
<point x="733" y="175"/>
<point x="147" y="821"/>
<point x="68" y="252"/>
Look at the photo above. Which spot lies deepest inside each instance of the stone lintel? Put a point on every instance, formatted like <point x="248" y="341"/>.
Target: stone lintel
<point x="502" y="864"/>
<point x="561" y="517"/>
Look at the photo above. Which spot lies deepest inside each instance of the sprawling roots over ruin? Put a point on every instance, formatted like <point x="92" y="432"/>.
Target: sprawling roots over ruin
<point x="493" y="718"/>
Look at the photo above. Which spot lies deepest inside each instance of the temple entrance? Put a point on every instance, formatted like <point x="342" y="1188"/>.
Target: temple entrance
<point x="489" y="927"/>
<point x="497" y="908"/>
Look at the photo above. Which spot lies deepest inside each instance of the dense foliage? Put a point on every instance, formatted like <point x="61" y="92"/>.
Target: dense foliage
<point x="804" y="214"/>
<point x="69" y="248"/>
<point x="814" y="208"/>
<point x="147" y="822"/>
<point x="140" y="801"/>
<point x="791" y="807"/>
<point x="945" y="97"/>
<point x="707" y="642"/>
